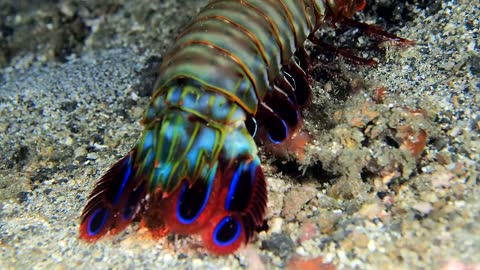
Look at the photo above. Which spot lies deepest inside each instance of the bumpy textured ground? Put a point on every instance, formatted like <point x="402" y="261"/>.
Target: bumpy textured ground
<point x="389" y="178"/>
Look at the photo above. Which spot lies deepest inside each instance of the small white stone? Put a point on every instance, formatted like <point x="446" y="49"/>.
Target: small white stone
<point x="97" y="146"/>
<point x="301" y="251"/>
<point x="134" y="96"/>
<point x="329" y="257"/>
<point x="371" y="245"/>
<point x="342" y="256"/>
<point x="92" y="156"/>
<point x="68" y="141"/>
<point x="80" y="151"/>
<point x="276" y="226"/>
<point x="197" y="263"/>
<point x="460" y="203"/>
<point x="167" y="258"/>
<point x="423" y="207"/>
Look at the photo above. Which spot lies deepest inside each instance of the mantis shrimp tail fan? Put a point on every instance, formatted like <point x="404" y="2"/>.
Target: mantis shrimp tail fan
<point x="114" y="202"/>
<point x="187" y="174"/>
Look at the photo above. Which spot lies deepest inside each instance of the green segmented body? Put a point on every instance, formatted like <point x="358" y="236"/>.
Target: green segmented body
<point x="237" y="48"/>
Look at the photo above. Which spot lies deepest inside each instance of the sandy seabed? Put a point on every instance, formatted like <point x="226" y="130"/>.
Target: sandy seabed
<point x="387" y="181"/>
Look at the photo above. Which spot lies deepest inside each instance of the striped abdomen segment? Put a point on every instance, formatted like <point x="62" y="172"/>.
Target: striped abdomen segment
<point x="237" y="48"/>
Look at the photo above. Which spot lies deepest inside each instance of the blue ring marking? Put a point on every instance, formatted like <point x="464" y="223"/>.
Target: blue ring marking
<point x="220" y="225"/>
<point x="233" y="185"/>
<point x="94" y="215"/>
<point x="277" y="142"/>
<point x="190" y="221"/>
<point x="124" y="182"/>
<point x="256" y="127"/>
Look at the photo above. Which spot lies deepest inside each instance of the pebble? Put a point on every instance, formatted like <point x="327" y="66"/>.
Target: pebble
<point x="301" y="251"/>
<point x="423" y="207"/>
<point x="371" y="245"/>
<point x="276" y="225"/>
<point x="68" y="141"/>
<point x="280" y="244"/>
<point x="79" y="152"/>
<point x="197" y="263"/>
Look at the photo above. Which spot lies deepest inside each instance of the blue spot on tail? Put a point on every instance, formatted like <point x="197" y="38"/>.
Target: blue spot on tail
<point x="281" y="136"/>
<point x="124" y="182"/>
<point x="188" y="205"/>
<point x="227" y="231"/>
<point x="97" y="221"/>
